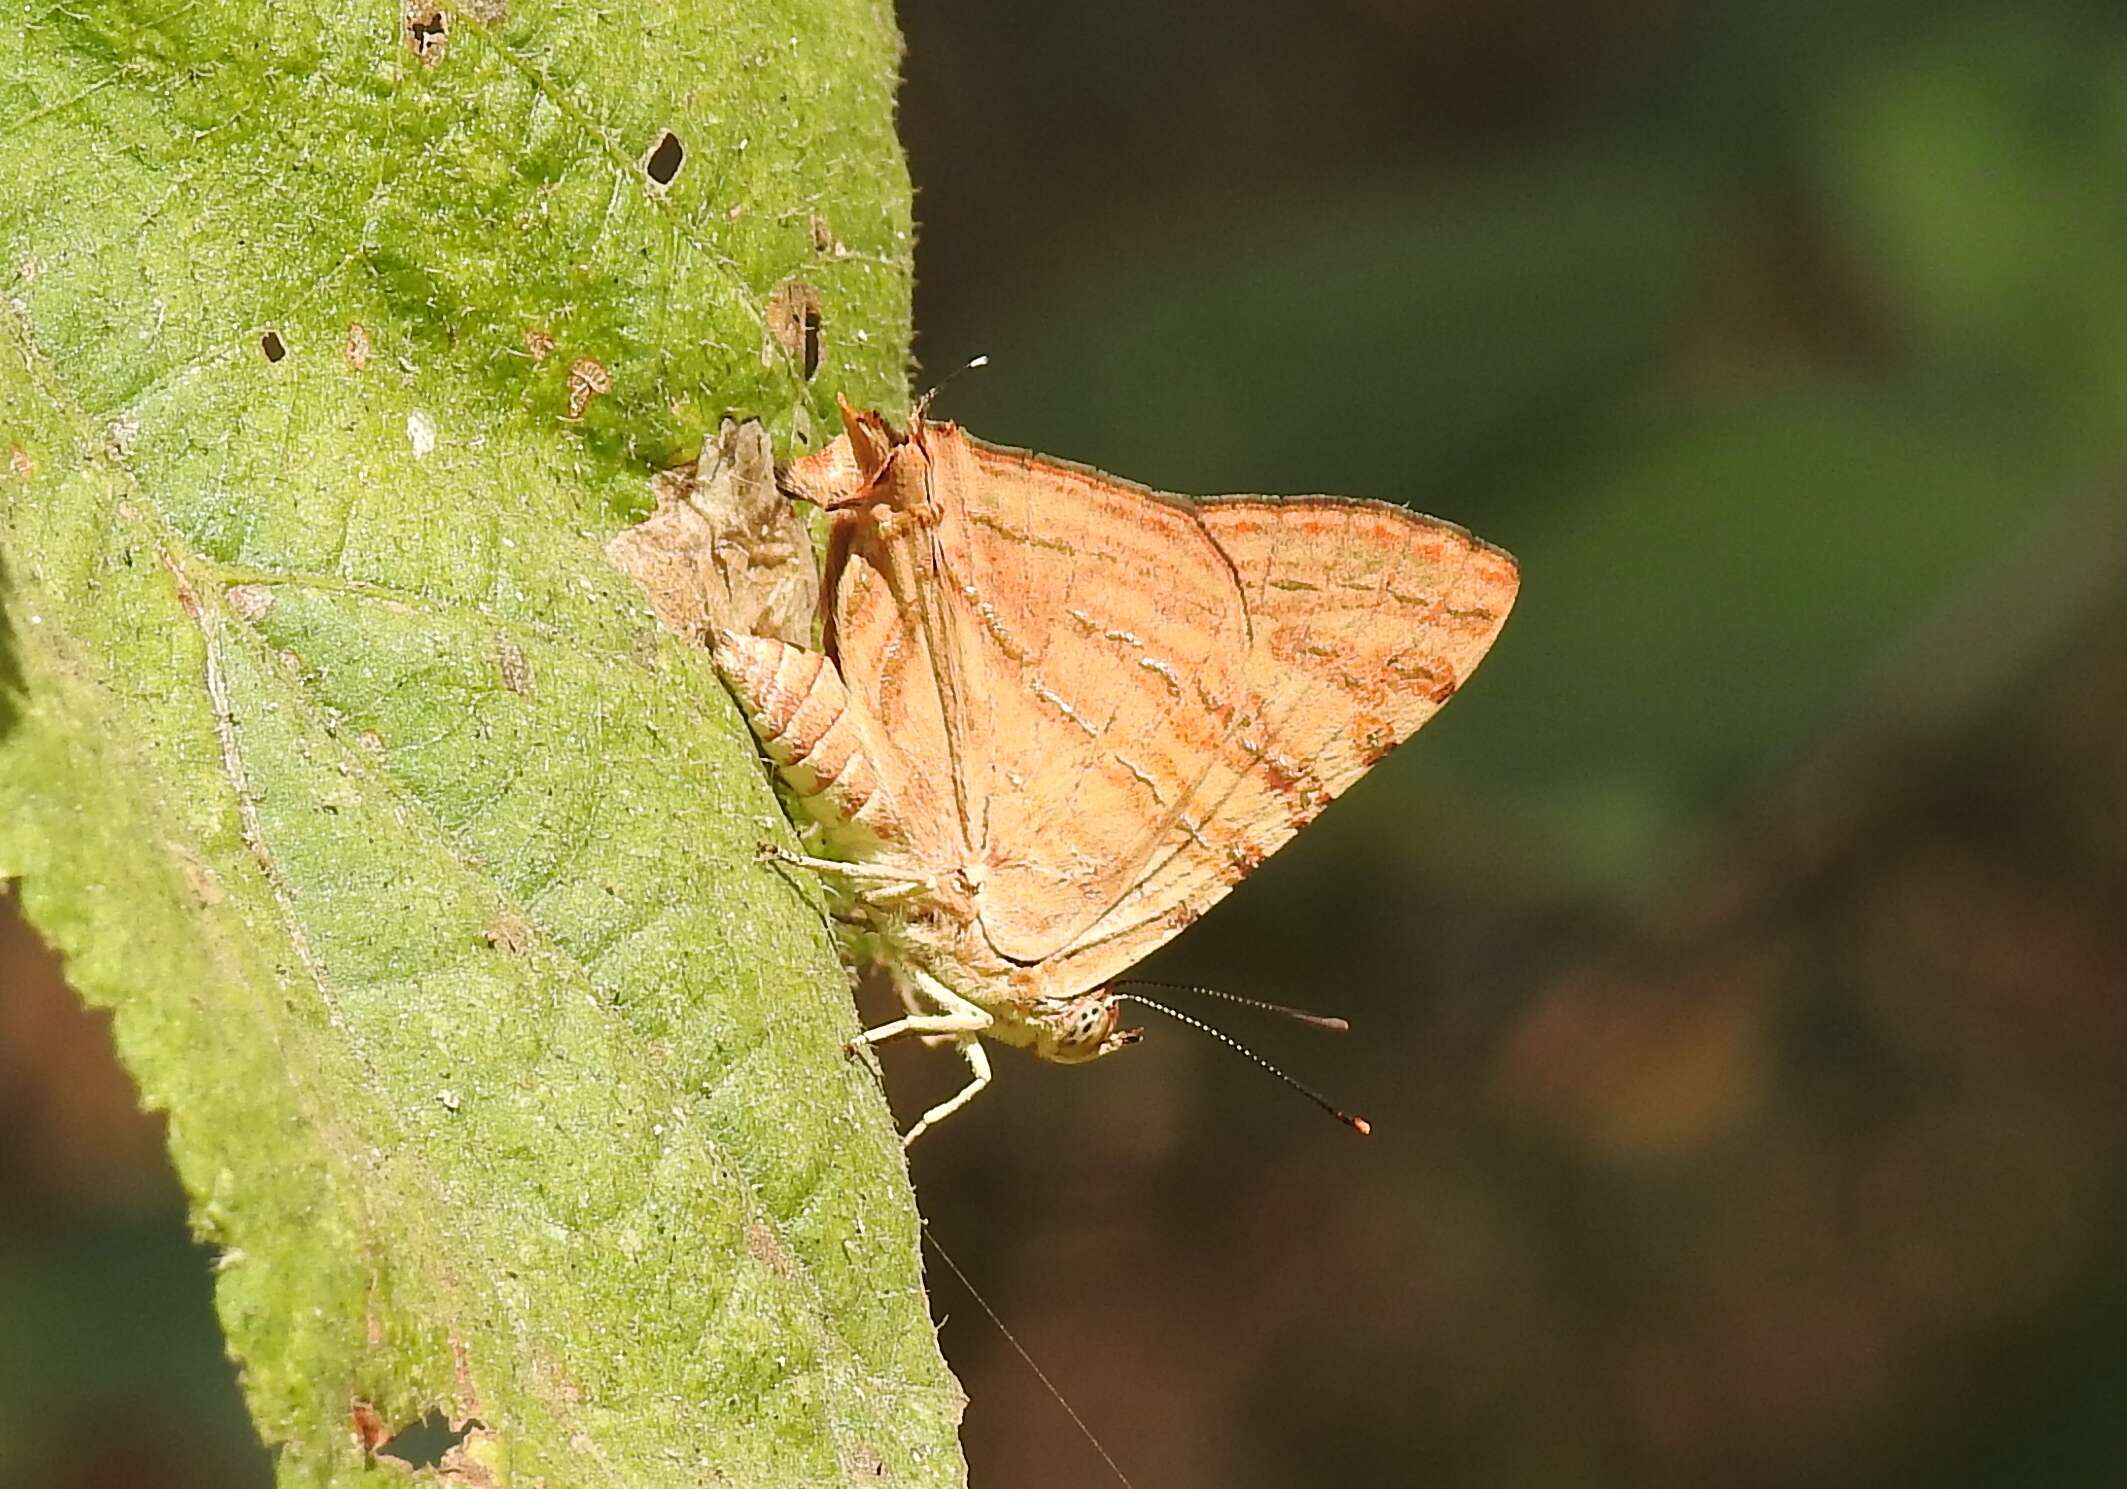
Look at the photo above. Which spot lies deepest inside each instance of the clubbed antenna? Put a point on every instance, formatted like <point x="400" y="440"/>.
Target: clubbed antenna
<point x="1357" y="1124"/>
<point x="923" y="404"/>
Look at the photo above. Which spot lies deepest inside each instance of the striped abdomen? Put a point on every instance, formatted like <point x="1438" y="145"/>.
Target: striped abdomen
<point x="799" y="709"/>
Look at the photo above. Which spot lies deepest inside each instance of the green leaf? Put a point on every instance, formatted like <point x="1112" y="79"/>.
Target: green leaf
<point x="416" y="865"/>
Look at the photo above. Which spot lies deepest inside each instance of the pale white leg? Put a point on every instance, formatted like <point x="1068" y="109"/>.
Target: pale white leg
<point x="957" y="1019"/>
<point x="897" y="891"/>
<point x="955" y="1016"/>
<point x="896" y="881"/>
<point x="866" y="873"/>
<point x="978" y="1060"/>
<point x="906" y="988"/>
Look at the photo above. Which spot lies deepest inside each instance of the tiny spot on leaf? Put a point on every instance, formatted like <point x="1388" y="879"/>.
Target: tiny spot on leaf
<point x="764" y="1246"/>
<point x="369" y="1428"/>
<point x="250" y="601"/>
<point x="19" y="464"/>
<point x="427" y="33"/>
<point x="357" y="345"/>
<point x="587" y="379"/>
<point x="509" y="933"/>
<point x="272" y="345"/>
<point x="665" y="158"/>
<point x="516" y="668"/>
<point x="538" y="343"/>
<point x="207" y="889"/>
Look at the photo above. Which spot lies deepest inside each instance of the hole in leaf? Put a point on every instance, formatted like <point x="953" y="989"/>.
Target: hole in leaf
<point x="793" y="324"/>
<point x="272" y="345"/>
<point x="424" y="1443"/>
<point x="665" y="158"/>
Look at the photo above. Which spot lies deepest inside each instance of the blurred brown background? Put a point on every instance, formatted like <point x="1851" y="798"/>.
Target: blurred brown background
<point x="1740" y="965"/>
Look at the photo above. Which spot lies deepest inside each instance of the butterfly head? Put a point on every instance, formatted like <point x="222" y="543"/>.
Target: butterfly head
<point x="1073" y="1030"/>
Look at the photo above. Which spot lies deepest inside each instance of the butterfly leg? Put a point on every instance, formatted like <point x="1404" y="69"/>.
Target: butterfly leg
<point x="978" y="1060"/>
<point x="905" y="987"/>
<point x="956" y="1019"/>
<point x="896" y="882"/>
<point x="956" y="1015"/>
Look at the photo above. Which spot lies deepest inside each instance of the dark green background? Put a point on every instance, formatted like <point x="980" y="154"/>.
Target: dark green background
<point x="1739" y="967"/>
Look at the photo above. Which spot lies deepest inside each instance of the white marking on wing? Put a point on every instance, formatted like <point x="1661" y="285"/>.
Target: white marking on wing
<point x="1058" y="702"/>
<point x="1166" y="671"/>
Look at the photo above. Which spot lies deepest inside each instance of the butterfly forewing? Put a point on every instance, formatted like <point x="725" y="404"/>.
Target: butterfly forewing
<point x="1364" y="620"/>
<point x="1105" y="642"/>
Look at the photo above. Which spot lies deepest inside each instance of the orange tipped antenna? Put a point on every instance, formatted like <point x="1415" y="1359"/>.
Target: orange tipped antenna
<point x="1357" y="1124"/>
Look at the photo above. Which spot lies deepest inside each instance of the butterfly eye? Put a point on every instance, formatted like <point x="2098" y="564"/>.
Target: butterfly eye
<point x="1094" y="1017"/>
<point x="1083" y="1025"/>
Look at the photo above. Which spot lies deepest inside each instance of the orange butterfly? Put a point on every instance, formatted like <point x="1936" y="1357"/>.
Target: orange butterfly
<point x="1058" y="716"/>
